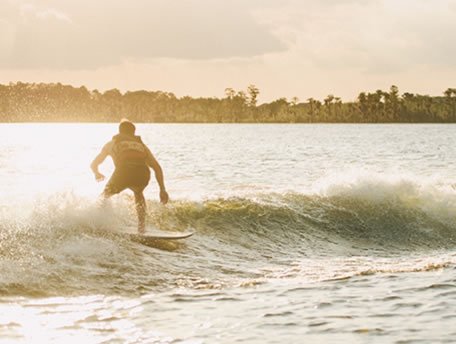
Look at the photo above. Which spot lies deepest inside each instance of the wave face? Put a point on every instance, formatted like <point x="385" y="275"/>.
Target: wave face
<point x="339" y="219"/>
<point x="67" y="245"/>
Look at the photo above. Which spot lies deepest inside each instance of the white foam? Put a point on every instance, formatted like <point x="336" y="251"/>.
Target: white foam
<point x="433" y="195"/>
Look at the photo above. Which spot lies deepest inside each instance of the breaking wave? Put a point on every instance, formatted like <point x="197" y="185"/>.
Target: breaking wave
<point x="67" y="243"/>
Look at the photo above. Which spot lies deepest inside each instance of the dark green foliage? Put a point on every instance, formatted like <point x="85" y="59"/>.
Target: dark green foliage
<point x="24" y="102"/>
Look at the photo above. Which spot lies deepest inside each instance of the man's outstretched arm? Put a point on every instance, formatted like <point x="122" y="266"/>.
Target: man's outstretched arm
<point x="153" y="163"/>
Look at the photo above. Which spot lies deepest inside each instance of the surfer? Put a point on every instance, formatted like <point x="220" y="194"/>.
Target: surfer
<point x="132" y="159"/>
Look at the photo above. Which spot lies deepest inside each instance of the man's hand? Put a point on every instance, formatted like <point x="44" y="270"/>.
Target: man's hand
<point x="164" y="198"/>
<point x="99" y="177"/>
<point x="96" y="162"/>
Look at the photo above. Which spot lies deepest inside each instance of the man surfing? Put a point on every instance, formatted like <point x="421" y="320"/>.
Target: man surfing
<point x="132" y="159"/>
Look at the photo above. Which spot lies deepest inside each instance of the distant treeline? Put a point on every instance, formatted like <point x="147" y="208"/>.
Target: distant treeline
<point x="27" y="102"/>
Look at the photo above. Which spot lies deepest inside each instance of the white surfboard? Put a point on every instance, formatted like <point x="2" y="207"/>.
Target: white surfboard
<point x="152" y="234"/>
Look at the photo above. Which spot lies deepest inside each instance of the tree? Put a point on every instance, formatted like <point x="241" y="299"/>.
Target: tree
<point x="338" y="115"/>
<point x="294" y="113"/>
<point x="393" y="100"/>
<point x="279" y="110"/>
<point x="253" y="93"/>
<point x="328" y="101"/>
<point x="450" y="95"/>
<point x="230" y="93"/>
<point x="363" y="106"/>
<point x="312" y="109"/>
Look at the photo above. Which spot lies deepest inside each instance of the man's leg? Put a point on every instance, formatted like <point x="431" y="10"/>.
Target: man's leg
<point x="141" y="208"/>
<point x="139" y="178"/>
<point x="114" y="186"/>
<point x="107" y="193"/>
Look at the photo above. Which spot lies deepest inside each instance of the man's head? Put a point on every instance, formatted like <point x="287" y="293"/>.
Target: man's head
<point x="126" y="127"/>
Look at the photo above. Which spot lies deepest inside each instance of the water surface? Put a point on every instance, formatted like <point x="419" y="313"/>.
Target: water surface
<point x="322" y="233"/>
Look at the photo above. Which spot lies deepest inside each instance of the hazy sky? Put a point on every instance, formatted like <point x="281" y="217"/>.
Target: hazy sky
<point x="303" y="48"/>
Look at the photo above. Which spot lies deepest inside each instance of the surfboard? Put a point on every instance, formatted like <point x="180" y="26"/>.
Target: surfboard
<point x="156" y="234"/>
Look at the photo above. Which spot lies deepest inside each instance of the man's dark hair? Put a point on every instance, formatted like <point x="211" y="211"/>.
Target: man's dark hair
<point x="126" y="127"/>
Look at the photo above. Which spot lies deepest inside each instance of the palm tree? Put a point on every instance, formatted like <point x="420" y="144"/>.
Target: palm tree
<point x="363" y="106"/>
<point x="328" y="101"/>
<point x="338" y="116"/>
<point x="393" y="98"/>
<point x="312" y="108"/>
<point x="450" y="95"/>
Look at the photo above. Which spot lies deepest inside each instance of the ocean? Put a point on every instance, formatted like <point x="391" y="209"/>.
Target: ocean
<point x="303" y="233"/>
